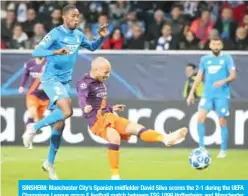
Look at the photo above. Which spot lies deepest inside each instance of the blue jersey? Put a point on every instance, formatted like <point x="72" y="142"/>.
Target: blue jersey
<point x="60" y="67"/>
<point x="216" y="68"/>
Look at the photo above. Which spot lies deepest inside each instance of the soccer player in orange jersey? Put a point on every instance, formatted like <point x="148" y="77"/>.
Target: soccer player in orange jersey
<point x="104" y="122"/>
<point x="36" y="99"/>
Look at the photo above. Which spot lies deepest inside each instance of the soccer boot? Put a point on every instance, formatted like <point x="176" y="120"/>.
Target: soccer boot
<point x="48" y="167"/>
<point x="175" y="137"/>
<point x="115" y="177"/>
<point x="222" y="154"/>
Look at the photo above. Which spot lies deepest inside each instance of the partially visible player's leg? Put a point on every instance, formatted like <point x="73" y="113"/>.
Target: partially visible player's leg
<point x="33" y="111"/>
<point x="202" y="115"/>
<point x="205" y="105"/>
<point x="32" y="103"/>
<point x="222" y="109"/>
<point x="55" y="141"/>
<point x="114" y="140"/>
<point x="224" y="137"/>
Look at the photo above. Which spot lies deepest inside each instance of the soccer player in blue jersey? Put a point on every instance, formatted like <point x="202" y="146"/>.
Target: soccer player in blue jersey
<point x="218" y="71"/>
<point x="60" y="47"/>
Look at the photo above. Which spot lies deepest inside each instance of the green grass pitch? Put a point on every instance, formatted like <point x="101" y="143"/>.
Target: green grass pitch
<point x="135" y="163"/>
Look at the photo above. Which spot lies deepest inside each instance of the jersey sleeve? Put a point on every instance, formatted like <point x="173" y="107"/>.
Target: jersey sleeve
<point x="109" y="106"/>
<point x="43" y="48"/>
<point x="230" y="63"/>
<point x="25" y="75"/>
<point x="202" y="65"/>
<point x="85" y="43"/>
<point x="82" y="93"/>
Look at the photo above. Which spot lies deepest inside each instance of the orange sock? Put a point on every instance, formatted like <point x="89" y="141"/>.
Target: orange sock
<point x="113" y="156"/>
<point x="149" y="135"/>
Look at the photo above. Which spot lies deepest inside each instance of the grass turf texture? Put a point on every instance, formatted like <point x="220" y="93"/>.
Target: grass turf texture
<point x="18" y="163"/>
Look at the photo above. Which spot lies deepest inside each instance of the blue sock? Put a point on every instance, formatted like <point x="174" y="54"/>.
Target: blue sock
<point x="52" y="118"/>
<point x="224" y="138"/>
<point x="201" y="134"/>
<point x="55" y="140"/>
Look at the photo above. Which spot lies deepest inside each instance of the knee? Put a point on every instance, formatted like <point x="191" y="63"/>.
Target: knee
<point x="201" y="119"/>
<point x="67" y="112"/>
<point x="59" y="126"/>
<point x="113" y="136"/>
<point x="133" y="129"/>
<point x="66" y="107"/>
<point x="116" y="141"/>
<point x="222" y="122"/>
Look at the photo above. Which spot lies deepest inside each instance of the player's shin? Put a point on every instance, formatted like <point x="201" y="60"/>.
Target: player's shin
<point x="149" y="135"/>
<point x="201" y="134"/>
<point x="224" y="138"/>
<point x="113" y="157"/>
<point x="55" y="141"/>
<point x="55" y="116"/>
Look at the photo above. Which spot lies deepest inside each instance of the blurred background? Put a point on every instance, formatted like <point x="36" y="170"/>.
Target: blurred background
<point x="155" y="25"/>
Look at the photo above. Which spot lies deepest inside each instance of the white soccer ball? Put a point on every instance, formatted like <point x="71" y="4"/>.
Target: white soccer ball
<point x="199" y="159"/>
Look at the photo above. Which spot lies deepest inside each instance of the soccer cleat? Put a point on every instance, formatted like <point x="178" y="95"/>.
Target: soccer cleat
<point x="115" y="177"/>
<point x="48" y="167"/>
<point x="222" y="154"/>
<point x="28" y="136"/>
<point x="175" y="137"/>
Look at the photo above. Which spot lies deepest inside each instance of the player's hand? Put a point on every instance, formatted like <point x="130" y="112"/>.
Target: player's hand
<point x="119" y="107"/>
<point x="191" y="99"/>
<point x="219" y="83"/>
<point x="103" y="31"/>
<point x="21" y="89"/>
<point x="87" y="108"/>
<point x="61" y="51"/>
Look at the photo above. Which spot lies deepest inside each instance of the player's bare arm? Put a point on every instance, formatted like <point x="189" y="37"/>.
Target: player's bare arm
<point x="61" y="51"/>
<point x="198" y="79"/>
<point x="230" y="78"/>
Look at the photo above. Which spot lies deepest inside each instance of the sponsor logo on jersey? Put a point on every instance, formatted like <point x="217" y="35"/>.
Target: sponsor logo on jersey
<point x="36" y="74"/>
<point x="101" y="94"/>
<point x="213" y="69"/>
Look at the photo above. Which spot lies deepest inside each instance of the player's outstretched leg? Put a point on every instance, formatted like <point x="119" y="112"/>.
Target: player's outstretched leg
<point x="62" y="112"/>
<point x="114" y="140"/>
<point x="224" y="137"/>
<point x="149" y="135"/>
<point x="202" y="114"/>
<point x="55" y="141"/>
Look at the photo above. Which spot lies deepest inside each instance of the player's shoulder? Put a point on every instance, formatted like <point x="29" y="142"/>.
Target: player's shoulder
<point x="29" y="63"/>
<point x="206" y="56"/>
<point x="226" y="55"/>
<point x="85" y="82"/>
